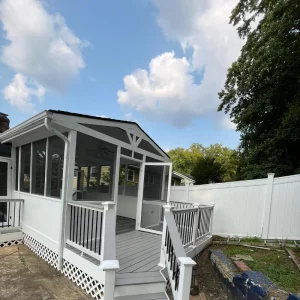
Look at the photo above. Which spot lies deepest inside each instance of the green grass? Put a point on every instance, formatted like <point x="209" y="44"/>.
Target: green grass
<point x="275" y="264"/>
<point x="252" y="240"/>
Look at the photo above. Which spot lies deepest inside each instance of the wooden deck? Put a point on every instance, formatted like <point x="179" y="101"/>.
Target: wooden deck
<point x="138" y="254"/>
<point x="124" y="225"/>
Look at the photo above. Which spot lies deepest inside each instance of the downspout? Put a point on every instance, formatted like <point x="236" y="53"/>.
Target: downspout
<point x="61" y="241"/>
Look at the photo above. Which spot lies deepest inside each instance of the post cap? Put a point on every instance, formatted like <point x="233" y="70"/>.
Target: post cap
<point x="168" y="207"/>
<point x="110" y="265"/>
<point x="186" y="261"/>
<point x="271" y="174"/>
<point x="108" y="204"/>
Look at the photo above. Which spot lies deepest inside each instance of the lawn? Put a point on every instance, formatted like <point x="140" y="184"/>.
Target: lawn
<point x="275" y="264"/>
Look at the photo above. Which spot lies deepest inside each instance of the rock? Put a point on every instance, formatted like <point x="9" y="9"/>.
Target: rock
<point x="242" y="257"/>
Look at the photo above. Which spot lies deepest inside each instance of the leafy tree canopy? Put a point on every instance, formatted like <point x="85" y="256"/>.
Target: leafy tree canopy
<point x="185" y="160"/>
<point x="262" y="90"/>
<point x="207" y="170"/>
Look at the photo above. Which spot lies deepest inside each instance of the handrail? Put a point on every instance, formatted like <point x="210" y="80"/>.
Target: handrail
<point x="11" y="200"/>
<point x="175" y="237"/>
<point x="183" y="210"/>
<point x="85" y="204"/>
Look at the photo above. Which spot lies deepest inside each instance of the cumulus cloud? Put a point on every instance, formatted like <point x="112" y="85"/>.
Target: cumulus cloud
<point x="21" y="92"/>
<point x="40" y="45"/>
<point x="167" y="91"/>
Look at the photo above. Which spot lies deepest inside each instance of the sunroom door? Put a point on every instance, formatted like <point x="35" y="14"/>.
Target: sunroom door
<point x="5" y="190"/>
<point x="154" y="192"/>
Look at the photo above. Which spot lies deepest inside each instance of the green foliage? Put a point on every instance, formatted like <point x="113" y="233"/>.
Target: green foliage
<point x="207" y="170"/>
<point x="186" y="161"/>
<point x="262" y="91"/>
<point x="275" y="264"/>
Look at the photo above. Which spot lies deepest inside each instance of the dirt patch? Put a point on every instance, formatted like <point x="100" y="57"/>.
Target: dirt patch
<point x="209" y="283"/>
<point x="25" y="276"/>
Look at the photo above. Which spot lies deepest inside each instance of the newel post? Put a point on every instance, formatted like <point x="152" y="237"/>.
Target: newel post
<point x="109" y="264"/>
<point x="196" y="222"/>
<point x="162" y="260"/>
<point x="267" y="206"/>
<point x="186" y="269"/>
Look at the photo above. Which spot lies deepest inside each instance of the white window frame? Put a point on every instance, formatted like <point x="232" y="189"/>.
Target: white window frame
<point x="91" y="172"/>
<point x="133" y="175"/>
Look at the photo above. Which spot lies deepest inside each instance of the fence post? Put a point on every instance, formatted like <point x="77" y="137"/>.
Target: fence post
<point x="187" y="192"/>
<point x="267" y="206"/>
<point x="167" y="208"/>
<point x="211" y="218"/>
<point x="196" y="221"/>
<point x="109" y="264"/>
<point x="186" y="269"/>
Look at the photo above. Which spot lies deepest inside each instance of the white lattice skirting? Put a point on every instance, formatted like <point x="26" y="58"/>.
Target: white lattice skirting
<point x="91" y="286"/>
<point x="11" y="243"/>
<point x="39" y="249"/>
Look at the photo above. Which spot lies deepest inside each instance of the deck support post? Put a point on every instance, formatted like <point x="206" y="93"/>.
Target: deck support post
<point x="162" y="259"/>
<point x="109" y="264"/>
<point x="196" y="221"/>
<point x="186" y="268"/>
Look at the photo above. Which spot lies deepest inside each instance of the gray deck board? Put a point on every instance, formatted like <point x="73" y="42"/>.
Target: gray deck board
<point x="157" y="296"/>
<point x="138" y="254"/>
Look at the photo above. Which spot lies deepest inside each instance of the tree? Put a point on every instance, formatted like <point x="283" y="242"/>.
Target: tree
<point x="185" y="160"/>
<point x="207" y="170"/>
<point x="262" y="90"/>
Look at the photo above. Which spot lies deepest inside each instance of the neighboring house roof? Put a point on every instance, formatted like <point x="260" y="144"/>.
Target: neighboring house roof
<point x="183" y="176"/>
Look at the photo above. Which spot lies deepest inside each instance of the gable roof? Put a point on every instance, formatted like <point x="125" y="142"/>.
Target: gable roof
<point x="67" y="113"/>
<point x="183" y="176"/>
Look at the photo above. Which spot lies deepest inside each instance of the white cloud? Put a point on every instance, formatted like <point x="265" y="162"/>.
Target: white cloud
<point x="167" y="91"/>
<point x="21" y="92"/>
<point x="130" y="117"/>
<point x="40" y="45"/>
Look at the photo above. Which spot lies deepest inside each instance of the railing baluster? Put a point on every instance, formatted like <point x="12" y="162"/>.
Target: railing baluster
<point x="84" y="215"/>
<point x="8" y="214"/>
<point x="96" y="231"/>
<point x="92" y="228"/>
<point x="86" y="224"/>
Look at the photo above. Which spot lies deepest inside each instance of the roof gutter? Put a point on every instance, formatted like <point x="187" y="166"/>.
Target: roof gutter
<point x="61" y="241"/>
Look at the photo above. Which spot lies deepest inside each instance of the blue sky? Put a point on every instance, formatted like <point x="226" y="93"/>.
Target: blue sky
<point x="175" y="100"/>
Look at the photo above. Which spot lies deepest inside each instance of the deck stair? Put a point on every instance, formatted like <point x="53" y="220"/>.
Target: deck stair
<point x="155" y="296"/>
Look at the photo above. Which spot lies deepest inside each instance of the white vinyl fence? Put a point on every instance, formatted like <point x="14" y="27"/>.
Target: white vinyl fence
<point x="267" y="208"/>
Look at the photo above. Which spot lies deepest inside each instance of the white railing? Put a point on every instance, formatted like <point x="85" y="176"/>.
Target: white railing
<point x="174" y="258"/>
<point x="183" y="228"/>
<point x="11" y="213"/>
<point x="90" y="228"/>
<point x="194" y="223"/>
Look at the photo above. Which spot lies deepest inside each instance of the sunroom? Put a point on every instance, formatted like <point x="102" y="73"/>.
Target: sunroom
<point x="89" y="195"/>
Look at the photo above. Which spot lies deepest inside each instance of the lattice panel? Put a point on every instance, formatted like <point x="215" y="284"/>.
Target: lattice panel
<point x="93" y="287"/>
<point x="11" y="243"/>
<point x="39" y="249"/>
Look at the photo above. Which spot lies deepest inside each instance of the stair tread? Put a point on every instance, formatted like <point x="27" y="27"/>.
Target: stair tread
<point x="156" y="296"/>
<point x="138" y="278"/>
